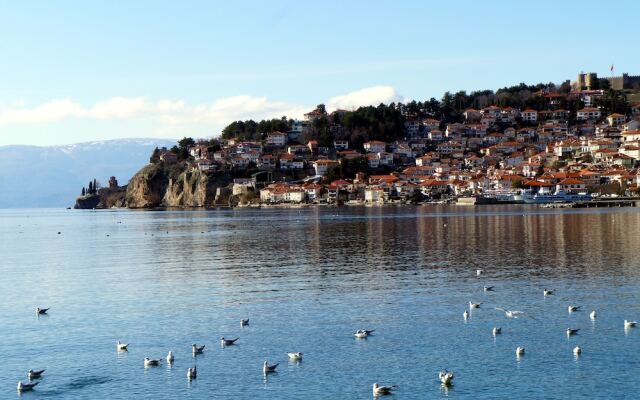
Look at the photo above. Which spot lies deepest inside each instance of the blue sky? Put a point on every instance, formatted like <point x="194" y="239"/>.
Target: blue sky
<point x="77" y="71"/>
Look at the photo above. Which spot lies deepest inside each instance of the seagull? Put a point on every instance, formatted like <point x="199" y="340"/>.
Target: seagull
<point x="446" y="377"/>
<point x="488" y="288"/>
<point x="196" y="349"/>
<point x="122" y="346"/>
<point x="295" y="356"/>
<point x="511" y="313"/>
<point x="593" y="314"/>
<point x="227" y="342"/>
<point x="22" y="387"/>
<point x="360" y="334"/>
<point x="474" y="305"/>
<point x="41" y="311"/>
<point x="34" y="374"/>
<point x="192" y="373"/>
<point x="170" y="357"/>
<point x="630" y="324"/>
<point x="571" y="331"/>
<point x="151" y="362"/>
<point x="573" y="308"/>
<point x="519" y="351"/>
<point x="244" y="322"/>
<point x="497" y="331"/>
<point x="363" y="333"/>
<point x="577" y="350"/>
<point x="465" y="315"/>
<point x="547" y="292"/>
<point x="382" y="390"/>
<point x="266" y="368"/>
<point x="479" y="272"/>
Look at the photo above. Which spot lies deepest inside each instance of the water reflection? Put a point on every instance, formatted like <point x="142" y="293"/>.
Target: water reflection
<point x="308" y="279"/>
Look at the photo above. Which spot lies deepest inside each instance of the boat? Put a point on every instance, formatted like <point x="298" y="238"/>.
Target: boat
<point x="556" y="197"/>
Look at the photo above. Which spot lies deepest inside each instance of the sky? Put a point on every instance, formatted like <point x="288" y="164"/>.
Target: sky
<point x="74" y="71"/>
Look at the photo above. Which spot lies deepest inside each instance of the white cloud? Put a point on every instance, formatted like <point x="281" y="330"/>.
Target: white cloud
<point x="365" y="97"/>
<point x="167" y="117"/>
<point x="171" y="112"/>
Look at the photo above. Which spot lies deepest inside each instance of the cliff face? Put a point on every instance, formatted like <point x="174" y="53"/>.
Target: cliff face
<point x="158" y="185"/>
<point x="147" y="187"/>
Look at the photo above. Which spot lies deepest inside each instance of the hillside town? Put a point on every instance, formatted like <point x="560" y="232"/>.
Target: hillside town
<point x="540" y="144"/>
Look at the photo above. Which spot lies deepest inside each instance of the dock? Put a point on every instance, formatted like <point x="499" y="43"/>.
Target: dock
<point x="597" y="203"/>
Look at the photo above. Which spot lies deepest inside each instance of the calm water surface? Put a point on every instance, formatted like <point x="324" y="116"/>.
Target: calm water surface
<point x="307" y="279"/>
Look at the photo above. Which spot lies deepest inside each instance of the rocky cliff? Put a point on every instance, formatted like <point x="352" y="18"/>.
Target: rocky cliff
<point x="105" y="198"/>
<point x="159" y="185"/>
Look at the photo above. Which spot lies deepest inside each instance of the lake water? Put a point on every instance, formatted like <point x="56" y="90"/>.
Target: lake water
<point x="307" y="278"/>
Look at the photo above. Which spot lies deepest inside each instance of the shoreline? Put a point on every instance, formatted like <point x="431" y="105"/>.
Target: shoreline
<point x="622" y="203"/>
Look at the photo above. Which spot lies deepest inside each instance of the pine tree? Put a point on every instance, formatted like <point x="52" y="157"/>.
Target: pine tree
<point x="155" y="156"/>
<point x="82" y="191"/>
<point x="90" y="191"/>
<point x="95" y="186"/>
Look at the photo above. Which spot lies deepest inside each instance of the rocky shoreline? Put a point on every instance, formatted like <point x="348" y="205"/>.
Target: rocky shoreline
<point x="159" y="185"/>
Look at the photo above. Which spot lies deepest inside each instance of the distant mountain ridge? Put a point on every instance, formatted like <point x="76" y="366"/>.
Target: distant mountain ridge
<point x="52" y="176"/>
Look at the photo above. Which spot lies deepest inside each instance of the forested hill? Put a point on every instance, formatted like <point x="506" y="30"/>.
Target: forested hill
<point x="385" y="122"/>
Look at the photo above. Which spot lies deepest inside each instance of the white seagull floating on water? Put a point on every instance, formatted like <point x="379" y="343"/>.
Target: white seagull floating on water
<point x="577" y="350"/>
<point x="571" y="331"/>
<point x="41" y="311"/>
<point x="122" y="346"/>
<point x="547" y="292"/>
<point x="151" y="362"/>
<point x="479" y="272"/>
<point x="227" y="342"/>
<point x="474" y="305"/>
<point x="446" y="377"/>
<point x="593" y="314"/>
<point x="496" y="331"/>
<point x="197" y="350"/>
<point x="573" y="308"/>
<point x="511" y="313"/>
<point x="465" y="315"/>
<point x="382" y="390"/>
<point x="630" y="324"/>
<point x="192" y="373"/>
<point x="296" y="356"/>
<point x="519" y="351"/>
<point x="22" y="387"/>
<point x="244" y="322"/>
<point x="267" y="369"/>
<point x="170" y="357"/>
<point x="363" y="333"/>
<point x="31" y="374"/>
<point x="488" y="288"/>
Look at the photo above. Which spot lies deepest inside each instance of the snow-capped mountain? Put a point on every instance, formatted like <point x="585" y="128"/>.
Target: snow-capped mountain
<point x="33" y="176"/>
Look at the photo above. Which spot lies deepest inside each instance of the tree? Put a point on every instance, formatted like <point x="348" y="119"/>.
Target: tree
<point x="90" y="191"/>
<point x="82" y="191"/>
<point x="155" y="156"/>
<point x="95" y="186"/>
<point x="349" y="168"/>
<point x="333" y="173"/>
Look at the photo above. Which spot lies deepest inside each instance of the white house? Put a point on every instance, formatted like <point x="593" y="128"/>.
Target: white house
<point x="616" y="119"/>
<point x="321" y="166"/>
<point x="571" y="185"/>
<point x="529" y="115"/>
<point x="375" y="146"/>
<point x="277" y="139"/>
<point x="588" y="113"/>
<point x="341" y="144"/>
<point x="374" y="195"/>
